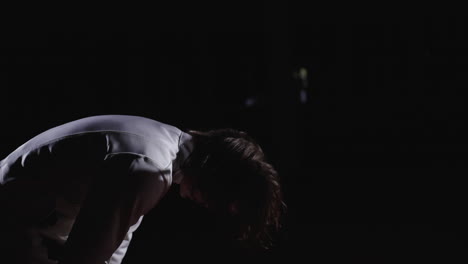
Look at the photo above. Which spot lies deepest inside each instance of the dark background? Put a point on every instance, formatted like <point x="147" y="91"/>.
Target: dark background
<point x="372" y="158"/>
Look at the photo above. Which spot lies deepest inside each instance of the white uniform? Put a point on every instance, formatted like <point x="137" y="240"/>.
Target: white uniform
<point x="85" y="186"/>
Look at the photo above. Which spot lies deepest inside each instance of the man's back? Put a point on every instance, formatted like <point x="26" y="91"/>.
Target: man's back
<point x="94" y="138"/>
<point x="44" y="182"/>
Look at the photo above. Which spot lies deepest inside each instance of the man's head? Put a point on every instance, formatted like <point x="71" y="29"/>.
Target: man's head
<point x="228" y="173"/>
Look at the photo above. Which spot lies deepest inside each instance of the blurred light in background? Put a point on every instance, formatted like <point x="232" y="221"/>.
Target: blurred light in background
<point x="303" y="96"/>
<point x="302" y="76"/>
<point x="250" y="101"/>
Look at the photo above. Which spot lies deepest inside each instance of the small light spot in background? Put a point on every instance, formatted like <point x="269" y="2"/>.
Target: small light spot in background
<point x="303" y="96"/>
<point x="302" y="76"/>
<point x="250" y="101"/>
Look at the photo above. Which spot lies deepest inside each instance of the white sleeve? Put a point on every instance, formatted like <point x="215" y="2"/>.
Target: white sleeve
<point x="119" y="254"/>
<point x="127" y="189"/>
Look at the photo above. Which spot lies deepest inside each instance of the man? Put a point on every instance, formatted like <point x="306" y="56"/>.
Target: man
<point x="77" y="192"/>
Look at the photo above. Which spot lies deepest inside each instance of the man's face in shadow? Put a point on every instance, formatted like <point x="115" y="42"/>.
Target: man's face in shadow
<point x="189" y="191"/>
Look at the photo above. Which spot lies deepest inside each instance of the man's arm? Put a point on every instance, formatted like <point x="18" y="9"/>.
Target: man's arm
<point x="115" y="201"/>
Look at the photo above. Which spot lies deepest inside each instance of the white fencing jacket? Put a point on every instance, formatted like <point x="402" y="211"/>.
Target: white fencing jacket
<point x="96" y="177"/>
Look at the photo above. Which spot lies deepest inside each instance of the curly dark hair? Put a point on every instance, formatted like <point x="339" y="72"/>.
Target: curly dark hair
<point x="231" y="171"/>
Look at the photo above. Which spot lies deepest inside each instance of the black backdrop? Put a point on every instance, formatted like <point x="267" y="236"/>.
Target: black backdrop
<point x="372" y="160"/>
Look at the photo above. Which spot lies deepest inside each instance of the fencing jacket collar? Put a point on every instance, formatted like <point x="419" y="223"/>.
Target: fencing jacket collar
<point x="185" y="148"/>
